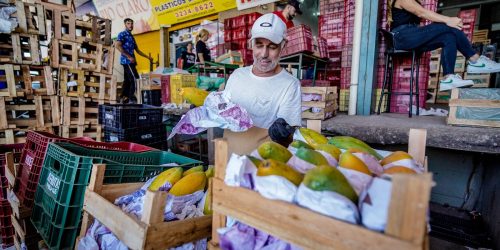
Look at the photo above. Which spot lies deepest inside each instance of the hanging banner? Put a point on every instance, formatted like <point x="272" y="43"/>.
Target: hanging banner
<point x="246" y="4"/>
<point x="137" y="10"/>
<point x="178" y="11"/>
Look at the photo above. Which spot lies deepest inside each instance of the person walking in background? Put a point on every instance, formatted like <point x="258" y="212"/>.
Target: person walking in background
<point x="288" y="13"/>
<point x="188" y="58"/>
<point x="125" y="43"/>
<point x="445" y="32"/>
<point x="202" y="51"/>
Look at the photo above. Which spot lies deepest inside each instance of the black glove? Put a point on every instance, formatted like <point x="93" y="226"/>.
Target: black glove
<point x="281" y="132"/>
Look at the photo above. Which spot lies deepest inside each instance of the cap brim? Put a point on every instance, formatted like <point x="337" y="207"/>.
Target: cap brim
<point x="270" y="36"/>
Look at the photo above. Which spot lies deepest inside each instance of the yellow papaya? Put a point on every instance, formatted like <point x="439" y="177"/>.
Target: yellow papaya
<point x="330" y="149"/>
<point x="172" y="175"/>
<point x="210" y="172"/>
<point x="327" y="178"/>
<point x="350" y="161"/>
<point x="274" y="167"/>
<point x="312" y="137"/>
<point x="254" y="160"/>
<point x="300" y="144"/>
<point x="189" y="184"/>
<point x="273" y="150"/>
<point x="207" y="208"/>
<point x="311" y="156"/>
<point x="194" y="96"/>
<point x="399" y="170"/>
<point x="348" y="142"/>
<point x="198" y="168"/>
<point x="395" y="156"/>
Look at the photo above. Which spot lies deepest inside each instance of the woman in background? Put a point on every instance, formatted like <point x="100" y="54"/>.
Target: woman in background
<point x="445" y="32"/>
<point x="202" y="52"/>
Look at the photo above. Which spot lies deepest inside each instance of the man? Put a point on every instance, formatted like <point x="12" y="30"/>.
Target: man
<point x="188" y="57"/>
<point x="125" y="43"/>
<point x="288" y="13"/>
<point x="270" y="94"/>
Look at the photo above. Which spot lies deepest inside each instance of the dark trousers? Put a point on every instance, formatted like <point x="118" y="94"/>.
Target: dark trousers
<point x="129" y="75"/>
<point x="431" y="37"/>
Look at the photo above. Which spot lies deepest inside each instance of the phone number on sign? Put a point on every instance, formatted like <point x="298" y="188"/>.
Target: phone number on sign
<point x="194" y="9"/>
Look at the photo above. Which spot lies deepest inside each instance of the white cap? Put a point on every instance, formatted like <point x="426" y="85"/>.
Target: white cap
<point x="269" y="26"/>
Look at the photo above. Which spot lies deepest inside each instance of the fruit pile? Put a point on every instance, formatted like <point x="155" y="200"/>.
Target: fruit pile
<point x="338" y="176"/>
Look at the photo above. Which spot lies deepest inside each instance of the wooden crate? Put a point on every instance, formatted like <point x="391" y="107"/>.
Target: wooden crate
<point x="64" y="54"/>
<point x="66" y="76"/>
<point x="68" y="5"/>
<point x="407" y="220"/>
<point x="443" y="97"/>
<point x="11" y="77"/>
<point x="67" y="26"/>
<point x="100" y="86"/>
<point x="32" y="80"/>
<point x="79" y="111"/>
<point x="480" y="36"/>
<point x="327" y="102"/>
<point x="489" y="101"/>
<point x="91" y="57"/>
<point x="377" y="99"/>
<point x="30" y="18"/>
<point x="93" y="131"/>
<point x="149" y="233"/>
<point x="12" y="135"/>
<point x="433" y="92"/>
<point x="344" y="100"/>
<point x="435" y="64"/>
<point x="36" y="113"/>
<point x="480" y="80"/>
<point x="434" y="80"/>
<point x="20" y="49"/>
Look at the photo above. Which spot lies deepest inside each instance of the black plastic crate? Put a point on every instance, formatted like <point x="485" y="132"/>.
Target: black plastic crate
<point x="125" y="116"/>
<point x="143" y="135"/>
<point x="151" y="97"/>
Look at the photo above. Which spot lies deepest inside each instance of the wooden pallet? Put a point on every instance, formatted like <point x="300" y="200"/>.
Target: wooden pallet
<point x="93" y="131"/>
<point x="91" y="57"/>
<point x="490" y="101"/>
<point x="36" y="113"/>
<point x="406" y="225"/>
<point x="20" y="49"/>
<point x="149" y="233"/>
<point x="79" y="111"/>
<point x="100" y="86"/>
<point x="480" y="80"/>
<point x="33" y="80"/>
<point x="31" y="18"/>
<point x="327" y="102"/>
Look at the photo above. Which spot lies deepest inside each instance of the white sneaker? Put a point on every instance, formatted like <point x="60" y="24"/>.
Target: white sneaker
<point x="483" y="65"/>
<point x="454" y="81"/>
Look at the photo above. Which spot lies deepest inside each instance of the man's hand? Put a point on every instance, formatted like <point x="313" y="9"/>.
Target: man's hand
<point x="281" y="132"/>
<point x="131" y="59"/>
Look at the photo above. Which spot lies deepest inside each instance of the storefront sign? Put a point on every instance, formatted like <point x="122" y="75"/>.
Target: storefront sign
<point x="137" y="10"/>
<point x="246" y="4"/>
<point x="178" y="11"/>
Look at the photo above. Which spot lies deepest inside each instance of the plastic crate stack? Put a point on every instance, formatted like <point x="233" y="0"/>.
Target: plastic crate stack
<point x="300" y="40"/>
<point x="330" y="26"/>
<point x="469" y="20"/>
<point x="137" y="123"/>
<point x="7" y="232"/>
<point x="27" y="88"/>
<point x="346" y="54"/>
<point x="236" y="35"/>
<point x="65" y="175"/>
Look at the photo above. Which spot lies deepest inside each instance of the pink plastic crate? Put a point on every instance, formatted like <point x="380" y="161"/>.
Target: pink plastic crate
<point x="165" y="89"/>
<point x="240" y="33"/>
<point x="331" y="6"/>
<point x="401" y="103"/>
<point x="228" y="35"/>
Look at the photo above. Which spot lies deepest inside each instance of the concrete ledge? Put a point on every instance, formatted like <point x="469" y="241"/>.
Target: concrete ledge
<point x="393" y="129"/>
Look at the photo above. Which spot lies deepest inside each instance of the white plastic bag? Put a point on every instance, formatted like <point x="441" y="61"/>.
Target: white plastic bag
<point x="328" y="203"/>
<point x="374" y="204"/>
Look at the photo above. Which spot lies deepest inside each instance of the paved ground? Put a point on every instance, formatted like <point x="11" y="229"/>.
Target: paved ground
<point x="393" y="129"/>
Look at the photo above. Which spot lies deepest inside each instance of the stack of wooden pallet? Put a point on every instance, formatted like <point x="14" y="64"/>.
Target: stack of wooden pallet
<point x="58" y="92"/>
<point x="28" y="96"/>
<point x="82" y="52"/>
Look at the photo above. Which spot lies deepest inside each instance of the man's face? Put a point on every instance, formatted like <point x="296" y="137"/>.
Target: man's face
<point x="189" y="47"/>
<point x="129" y="25"/>
<point x="291" y="12"/>
<point x="266" y="55"/>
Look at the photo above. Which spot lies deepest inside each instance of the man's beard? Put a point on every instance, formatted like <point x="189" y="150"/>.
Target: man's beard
<point x="290" y="17"/>
<point x="265" y="69"/>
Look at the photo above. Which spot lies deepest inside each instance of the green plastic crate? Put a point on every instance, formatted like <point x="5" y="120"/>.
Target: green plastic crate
<point x="65" y="175"/>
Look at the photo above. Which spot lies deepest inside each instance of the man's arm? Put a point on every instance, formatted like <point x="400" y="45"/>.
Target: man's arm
<point x="200" y="56"/>
<point x="142" y="54"/>
<point x="124" y="53"/>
